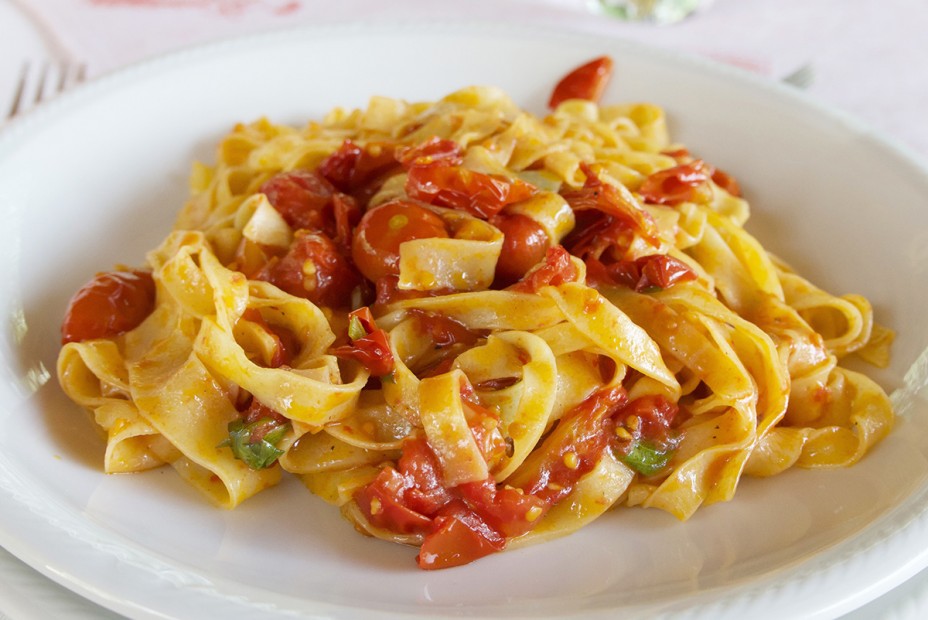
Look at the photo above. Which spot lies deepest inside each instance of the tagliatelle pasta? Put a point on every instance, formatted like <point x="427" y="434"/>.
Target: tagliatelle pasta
<point x="469" y="327"/>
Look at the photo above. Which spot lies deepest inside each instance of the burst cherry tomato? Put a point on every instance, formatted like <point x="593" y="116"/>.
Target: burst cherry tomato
<point x="557" y="269"/>
<point x="303" y="198"/>
<point x="574" y="447"/>
<point x="676" y="185"/>
<point x="382" y="503"/>
<point x="525" y="243"/>
<point x="585" y="82"/>
<point x="426" y="493"/>
<point x="456" y="187"/>
<point x="110" y="304"/>
<point x="286" y="344"/>
<point x="655" y="271"/>
<point x="726" y="182"/>
<point x="433" y="152"/>
<point x="313" y="268"/>
<point x="369" y="344"/>
<point x="359" y="170"/>
<point x="377" y="239"/>
<point x="459" y="537"/>
<point x="606" y="198"/>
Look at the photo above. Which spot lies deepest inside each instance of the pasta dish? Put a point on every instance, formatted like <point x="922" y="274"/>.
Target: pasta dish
<point x="469" y="327"/>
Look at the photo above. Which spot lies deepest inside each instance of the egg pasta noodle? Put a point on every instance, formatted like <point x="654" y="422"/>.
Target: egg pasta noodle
<point x="654" y="355"/>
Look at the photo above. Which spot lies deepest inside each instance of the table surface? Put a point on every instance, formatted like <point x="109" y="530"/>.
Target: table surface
<point x="867" y="58"/>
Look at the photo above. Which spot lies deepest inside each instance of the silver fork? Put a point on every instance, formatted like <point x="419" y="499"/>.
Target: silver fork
<point x="50" y="79"/>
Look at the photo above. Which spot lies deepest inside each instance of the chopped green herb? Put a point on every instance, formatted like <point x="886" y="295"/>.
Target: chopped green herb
<point x="646" y="458"/>
<point x="260" y="453"/>
<point x="356" y="329"/>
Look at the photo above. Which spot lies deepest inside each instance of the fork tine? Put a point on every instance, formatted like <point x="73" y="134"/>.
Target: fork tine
<point x="62" y="75"/>
<point x="20" y="91"/>
<point x="40" y="89"/>
<point x="53" y="77"/>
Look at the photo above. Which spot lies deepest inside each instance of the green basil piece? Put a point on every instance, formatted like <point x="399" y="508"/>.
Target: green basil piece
<point x="647" y="459"/>
<point x="259" y="454"/>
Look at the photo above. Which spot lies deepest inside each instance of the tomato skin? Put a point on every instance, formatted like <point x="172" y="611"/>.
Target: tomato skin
<point x="459" y="537"/>
<point x="655" y="271"/>
<point x="433" y="152"/>
<point x="587" y="81"/>
<point x="353" y="169"/>
<point x="557" y="269"/>
<point x="443" y="331"/>
<point x="347" y="214"/>
<point x="426" y="494"/>
<point x="110" y="304"/>
<point x="377" y="238"/>
<point x="583" y="433"/>
<point x="726" y="182"/>
<point x="525" y="244"/>
<point x="673" y="186"/>
<point x="382" y="504"/>
<point x="287" y="345"/>
<point x="372" y="349"/>
<point x="303" y="198"/>
<point x="509" y="511"/>
<point x="598" y="235"/>
<point x="314" y="269"/>
<point x="656" y="415"/>
<point x="455" y="187"/>
<point x="605" y="198"/>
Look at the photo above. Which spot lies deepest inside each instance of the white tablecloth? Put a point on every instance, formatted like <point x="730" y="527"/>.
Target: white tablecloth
<point x="868" y="58"/>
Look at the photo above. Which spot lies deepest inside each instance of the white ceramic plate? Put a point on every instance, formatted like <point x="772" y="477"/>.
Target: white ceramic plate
<point x="95" y="179"/>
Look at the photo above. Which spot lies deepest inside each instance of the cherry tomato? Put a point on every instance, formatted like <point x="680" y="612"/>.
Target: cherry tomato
<point x="587" y="81"/>
<point x="663" y="271"/>
<point x="683" y="183"/>
<point x="382" y="503"/>
<point x="596" y="234"/>
<point x="459" y="537"/>
<point x="359" y="170"/>
<point x="377" y="238"/>
<point x="314" y="269"/>
<point x="433" y="152"/>
<point x="525" y="244"/>
<point x="507" y="510"/>
<point x="655" y="414"/>
<point x="574" y="446"/>
<point x="419" y="464"/>
<point x="681" y="154"/>
<point x="443" y="331"/>
<point x="481" y="195"/>
<point x="557" y="269"/>
<point x="726" y="182"/>
<point x="370" y="347"/>
<point x="608" y="199"/>
<point x="303" y="198"/>
<point x="287" y="346"/>
<point x="110" y="304"/>
<point x="347" y="214"/>
<point x="387" y="291"/>
<point x="654" y="271"/>
<point x="484" y="426"/>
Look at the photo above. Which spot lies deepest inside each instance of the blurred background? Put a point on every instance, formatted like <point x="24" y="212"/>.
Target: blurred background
<point x="864" y="57"/>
